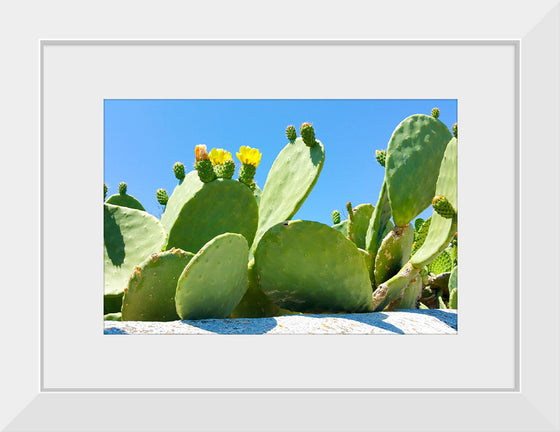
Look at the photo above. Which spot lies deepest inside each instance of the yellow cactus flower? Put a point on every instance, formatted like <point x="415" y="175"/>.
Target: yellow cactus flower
<point x="219" y="156"/>
<point x="249" y="156"/>
<point x="201" y="153"/>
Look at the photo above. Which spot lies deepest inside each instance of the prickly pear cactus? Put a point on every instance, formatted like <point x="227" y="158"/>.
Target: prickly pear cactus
<point x="358" y="224"/>
<point x="179" y="170"/>
<point x="341" y="227"/>
<point x="421" y="234"/>
<point x="335" y="217"/>
<point x="442" y="264"/>
<point x="150" y="294"/>
<point x="381" y="156"/>
<point x="104" y="191"/>
<point x="306" y="266"/>
<point x="161" y="196"/>
<point x="393" y="253"/>
<point x="308" y="134"/>
<point x="130" y="236"/>
<point x="435" y="113"/>
<point x="197" y="212"/>
<point x="124" y="200"/>
<point x="291" y="133"/>
<point x="379" y="222"/>
<point x="290" y="180"/>
<point x="443" y="207"/>
<point x="414" y="156"/>
<point x="215" y="279"/>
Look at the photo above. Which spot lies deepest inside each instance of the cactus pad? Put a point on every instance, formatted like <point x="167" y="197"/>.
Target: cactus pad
<point x="379" y="221"/>
<point x="125" y="201"/>
<point x="122" y="188"/>
<point x="442" y="264"/>
<point x="291" y="133"/>
<point x="247" y="174"/>
<point x="359" y="223"/>
<point x="179" y="170"/>
<point x="441" y="229"/>
<point x="309" y="267"/>
<point x="225" y="170"/>
<point x="308" y="134"/>
<point x="388" y="295"/>
<point x="435" y="113"/>
<point x="421" y="235"/>
<point x="130" y="236"/>
<point x="414" y="156"/>
<point x="150" y="294"/>
<point x="393" y="253"/>
<point x="342" y="227"/>
<point x="215" y="280"/>
<point x="197" y="212"/>
<point x="290" y="180"/>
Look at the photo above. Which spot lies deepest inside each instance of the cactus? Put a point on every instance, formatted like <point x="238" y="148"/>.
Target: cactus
<point x="335" y="217"/>
<point x="115" y="316"/>
<point x="104" y="191"/>
<point x="250" y="159"/>
<point x="308" y="134"/>
<point x="341" y="227"/>
<point x="358" y="223"/>
<point x="179" y="170"/>
<point x="224" y="167"/>
<point x="393" y="253"/>
<point x="161" y="196"/>
<point x="215" y="279"/>
<point x="421" y="234"/>
<point x="381" y="156"/>
<point x="379" y="222"/>
<point x="442" y="264"/>
<point x="414" y="156"/>
<point x="124" y="200"/>
<point x="290" y="180"/>
<point x="435" y="113"/>
<point x="307" y="266"/>
<point x="197" y="212"/>
<point x="130" y="236"/>
<point x="455" y="130"/>
<point x="150" y="294"/>
<point x="291" y="133"/>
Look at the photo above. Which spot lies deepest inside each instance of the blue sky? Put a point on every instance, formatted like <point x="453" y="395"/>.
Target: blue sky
<point x="144" y="138"/>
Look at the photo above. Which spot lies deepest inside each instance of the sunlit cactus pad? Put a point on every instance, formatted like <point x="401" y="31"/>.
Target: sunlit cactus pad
<point x="130" y="236"/>
<point x="125" y="200"/>
<point x="215" y="279"/>
<point x="197" y="212"/>
<point x="150" y="294"/>
<point x="308" y="266"/>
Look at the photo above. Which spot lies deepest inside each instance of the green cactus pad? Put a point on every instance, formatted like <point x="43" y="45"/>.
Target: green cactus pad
<point x="255" y="304"/>
<point x="257" y="192"/>
<point x="179" y="170"/>
<point x="161" y="196"/>
<point x="290" y="180"/>
<point x="125" y="201"/>
<point x="335" y="215"/>
<point x="197" y="212"/>
<point x="307" y="134"/>
<point x="116" y="316"/>
<point x="412" y="293"/>
<point x="442" y="264"/>
<point x="309" y="267"/>
<point x="418" y="224"/>
<point x="112" y="303"/>
<point x="341" y="227"/>
<point x="358" y="226"/>
<point x="150" y="294"/>
<point x="443" y="207"/>
<point x="381" y="156"/>
<point x="453" y="299"/>
<point x="215" y="280"/>
<point x="393" y="253"/>
<point x="441" y="229"/>
<point x="414" y="156"/>
<point x="368" y="259"/>
<point x="225" y="170"/>
<point x="291" y="133"/>
<point x="205" y="171"/>
<point x="122" y="188"/>
<point x="453" y="279"/>
<point x="379" y="222"/>
<point x="130" y="236"/>
<point x="389" y="294"/>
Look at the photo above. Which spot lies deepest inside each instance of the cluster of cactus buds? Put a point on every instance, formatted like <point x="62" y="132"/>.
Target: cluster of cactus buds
<point x="224" y="248"/>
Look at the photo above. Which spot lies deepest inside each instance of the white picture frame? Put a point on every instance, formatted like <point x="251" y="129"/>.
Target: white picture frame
<point x="531" y="403"/>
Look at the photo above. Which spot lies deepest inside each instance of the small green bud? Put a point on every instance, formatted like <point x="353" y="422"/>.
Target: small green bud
<point x="455" y="130"/>
<point x="161" y="196"/>
<point x="104" y="191"/>
<point x="307" y="134"/>
<point x="247" y="173"/>
<point x="443" y="207"/>
<point x="335" y="217"/>
<point x="435" y="113"/>
<point x="205" y="171"/>
<point x="122" y="188"/>
<point x="225" y="170"/>
<point x="179" y="170"/>
<point x="381" y="156"/>
<point x="291" y="133"/>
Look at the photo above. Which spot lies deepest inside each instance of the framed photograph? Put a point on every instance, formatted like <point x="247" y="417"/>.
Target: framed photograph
<point x="500" y="372"/>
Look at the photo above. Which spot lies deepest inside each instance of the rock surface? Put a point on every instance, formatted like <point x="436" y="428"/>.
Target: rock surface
<point x="417" y="321"/>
